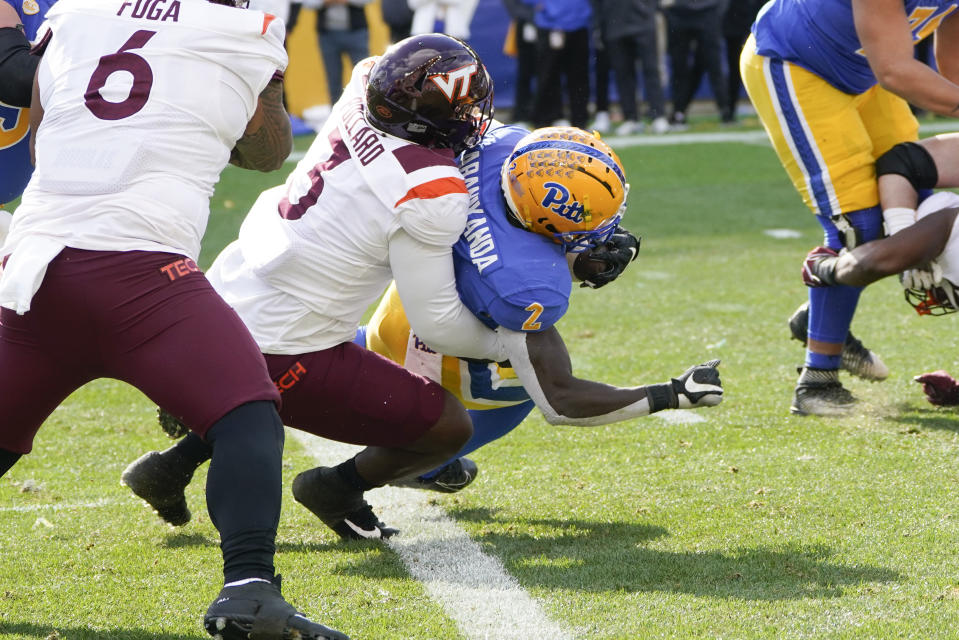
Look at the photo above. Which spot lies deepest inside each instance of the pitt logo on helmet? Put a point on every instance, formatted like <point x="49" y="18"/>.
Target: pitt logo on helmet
<point x="566" y="184"/>
<point x="448" y="82"/>
<point x="557" y="200"/>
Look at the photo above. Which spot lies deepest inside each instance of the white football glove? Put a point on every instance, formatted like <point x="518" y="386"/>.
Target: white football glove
<point x="921" y="278"/>
<point x="699" y="386"/>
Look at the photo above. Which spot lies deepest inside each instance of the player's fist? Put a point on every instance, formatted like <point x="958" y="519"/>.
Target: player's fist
<point x="599" y="265"/>
<point x="819" y="267"/>
<point x="941" y="389"/>
<point x="699" y="386"/>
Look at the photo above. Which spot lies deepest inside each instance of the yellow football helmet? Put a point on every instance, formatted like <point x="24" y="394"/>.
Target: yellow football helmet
<point x="567" y="184"/>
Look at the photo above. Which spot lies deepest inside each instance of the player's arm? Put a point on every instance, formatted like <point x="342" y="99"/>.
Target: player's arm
<point x="268" y="139"/>
<point x="17" y="66"/>
<point x="426" y="284"/>
<point x="542" y="363"/>
<point x="910" y="167"/>
<point x="909" y="248"/>
<point x="886" y="38"/>
<point x="946" y="47"/>
<point x="36" y="116"/>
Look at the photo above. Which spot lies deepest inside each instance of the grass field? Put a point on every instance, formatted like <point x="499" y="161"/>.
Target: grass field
<point x="751" y="523"/>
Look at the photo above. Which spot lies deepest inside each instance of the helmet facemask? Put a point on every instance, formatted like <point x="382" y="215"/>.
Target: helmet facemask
<point x="936" y="301"/>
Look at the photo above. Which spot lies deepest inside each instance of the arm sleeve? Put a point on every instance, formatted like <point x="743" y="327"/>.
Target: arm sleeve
<point x="17" y="67"/>
<point x="427" y="286"/>
<point x="514" y="343"/>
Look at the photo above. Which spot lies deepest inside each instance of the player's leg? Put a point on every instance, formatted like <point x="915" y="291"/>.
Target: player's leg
<point x="180" y="343"/>
<point x="409" y="423"/>
<point x="488" y="425"/>
<point x="45" y="354"/>
<point x="818" y="134"/>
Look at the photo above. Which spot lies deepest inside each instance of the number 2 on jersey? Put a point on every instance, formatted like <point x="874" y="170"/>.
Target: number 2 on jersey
<point x="122" y="60"/>
<point x="531" y="324"/>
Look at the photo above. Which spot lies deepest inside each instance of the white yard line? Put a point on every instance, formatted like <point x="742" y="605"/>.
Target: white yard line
<point x="473" y="587"/>
<point x="62" y="506"/>
<point x="752" y="136"/>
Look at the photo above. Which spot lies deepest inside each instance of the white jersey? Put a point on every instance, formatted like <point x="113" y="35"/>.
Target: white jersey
<point x="948" y="260"/>
<point x="143" y="102"/>
<point x="313" y="254"/>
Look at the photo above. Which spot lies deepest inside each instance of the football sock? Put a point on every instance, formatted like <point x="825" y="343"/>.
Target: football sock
<point x="351" y="475"/>
<point x="7" y="460"/>
<point x="243" y="488"/>
<point x="488" y="425"/>
<point x="831" y="308"/>
<point x="193" y="449"/>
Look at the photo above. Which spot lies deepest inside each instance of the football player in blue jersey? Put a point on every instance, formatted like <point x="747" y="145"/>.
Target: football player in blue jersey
<point x="19" y="23"/>
<point x="924" y="252"/>
<point x="568" y="188"/>
<point x="542" y="205"/>
<point x="832" y="81"/>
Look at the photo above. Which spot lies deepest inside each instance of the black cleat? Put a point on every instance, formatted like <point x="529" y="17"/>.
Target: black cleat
<point x="452" y="478"/>
<point x="819" y="393"/>
<point x="258" y="610"/>
<point x="340" y="506"/>
<point x="160" y="479"/>
<point x="856" y="358"/>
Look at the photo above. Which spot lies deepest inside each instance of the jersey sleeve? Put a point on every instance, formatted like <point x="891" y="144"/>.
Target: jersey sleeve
<point x="529" y="310"/>
<point x="437" y="214"/>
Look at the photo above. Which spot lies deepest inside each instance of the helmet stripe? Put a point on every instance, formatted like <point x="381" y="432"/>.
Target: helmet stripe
<point x="572" y="146"/>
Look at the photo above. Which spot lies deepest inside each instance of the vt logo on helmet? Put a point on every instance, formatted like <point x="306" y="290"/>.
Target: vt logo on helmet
<point x="431" y="89"/>
<point x="455" y="85"/>
<point x="566" y="184"/>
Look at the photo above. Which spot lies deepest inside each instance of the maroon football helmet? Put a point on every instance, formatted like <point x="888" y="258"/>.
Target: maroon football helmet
<point x="431" y="89"/>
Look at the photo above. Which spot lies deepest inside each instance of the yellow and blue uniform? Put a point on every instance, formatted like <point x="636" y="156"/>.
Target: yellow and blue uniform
<point x="506" y="275"/>
<point x="827" y="116"/>
<point x="807" y="75"/>
<point x="15" y="166"/>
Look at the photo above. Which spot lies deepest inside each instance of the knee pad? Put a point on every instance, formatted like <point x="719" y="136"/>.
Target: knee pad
<point x="912" y="162"/>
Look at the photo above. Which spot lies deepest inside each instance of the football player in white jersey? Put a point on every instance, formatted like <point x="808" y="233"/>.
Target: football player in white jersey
<point x="922" y="244"/>
<point x="377" y="198"/>
<point x="137" y="108"/>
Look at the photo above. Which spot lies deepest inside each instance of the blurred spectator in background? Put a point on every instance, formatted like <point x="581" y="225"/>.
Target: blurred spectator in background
<point x="737" y="20"/>
<point x="455" y="15"/>
<point x="601" y="70"/>
<point x="698" y="22"/>
<point x="398" y="17"/>
<point x="342" y="29"/>
<point x="523" y="48"/>
<point x="562" y="52"/>
<point x="628" y="29"/>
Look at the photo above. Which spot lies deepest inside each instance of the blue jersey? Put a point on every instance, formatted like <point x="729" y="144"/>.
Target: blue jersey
<point x="819" y="35"/>
<point x="15" y="167"/>
<point x="505" y="275"/>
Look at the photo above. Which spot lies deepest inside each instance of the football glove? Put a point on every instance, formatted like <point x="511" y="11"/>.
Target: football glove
<point x="599" y="265"/>
<point x="941" y="389"/>
<point x="170" y="425"/>
<point x="699" y="386"/>
<point x="921" y="278"/>
<point x="819" y="267"/>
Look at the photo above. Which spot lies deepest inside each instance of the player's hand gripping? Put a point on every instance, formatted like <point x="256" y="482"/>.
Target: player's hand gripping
<point x="819" y="267"/>
<point x="599" y="265"/>
<point x="941" y="389"/>
<point x="699" y="386"/>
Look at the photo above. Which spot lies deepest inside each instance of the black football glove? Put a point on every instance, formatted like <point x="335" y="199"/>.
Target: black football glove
<point x="699" y="386"/>
<point x="170" y="425"/>
<point x="600" y="265"/>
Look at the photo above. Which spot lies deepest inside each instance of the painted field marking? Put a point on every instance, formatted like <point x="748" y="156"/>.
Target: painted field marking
<point x="473" y="587"/>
